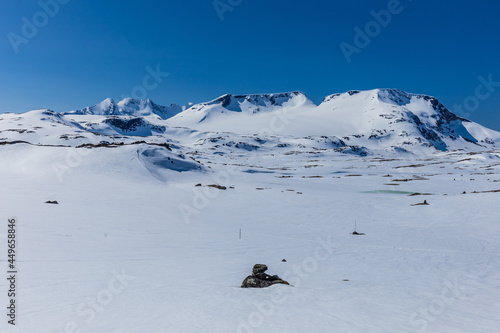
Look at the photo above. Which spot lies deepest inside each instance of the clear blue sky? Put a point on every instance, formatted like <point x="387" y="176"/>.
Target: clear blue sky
<point x="86" y="51"/>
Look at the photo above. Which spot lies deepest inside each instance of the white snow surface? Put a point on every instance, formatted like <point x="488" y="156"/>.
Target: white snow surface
<point x="139" y="241"/>
<point x="418" y="268"/>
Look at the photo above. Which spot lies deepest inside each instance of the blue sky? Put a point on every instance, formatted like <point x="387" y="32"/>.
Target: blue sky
<point x="86" y="51"/>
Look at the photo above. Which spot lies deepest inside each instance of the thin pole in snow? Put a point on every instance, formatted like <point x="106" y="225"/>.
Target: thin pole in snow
<point x="240" y="233"/>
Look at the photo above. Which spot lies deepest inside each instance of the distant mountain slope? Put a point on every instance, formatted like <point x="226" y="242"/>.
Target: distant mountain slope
<point x="228" y="104"/>
<point x="396" y="117"/>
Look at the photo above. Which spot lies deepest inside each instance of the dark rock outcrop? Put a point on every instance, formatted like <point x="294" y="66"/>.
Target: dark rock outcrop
<point x="259" y="279"/>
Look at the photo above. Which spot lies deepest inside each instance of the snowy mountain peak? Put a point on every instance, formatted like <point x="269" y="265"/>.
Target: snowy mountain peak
<point x="235" y="102"/>
<point x="129" y="107"/>
<point x="333" y="96"/>
<point x="105" y="107"/>
<point x="107" y="101"/>
<point x="405" y="119"/>
<point x="228" y="105"/>
<point x="394" y="96"/>
<point x="386" y="95"/>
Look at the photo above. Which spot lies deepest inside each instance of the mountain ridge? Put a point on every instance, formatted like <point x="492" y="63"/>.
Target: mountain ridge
<point x="128" y="107"/>
<point x="372" y="119"/>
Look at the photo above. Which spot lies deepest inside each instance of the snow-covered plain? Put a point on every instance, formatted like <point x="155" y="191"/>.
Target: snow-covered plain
<point x="135" y="246"/>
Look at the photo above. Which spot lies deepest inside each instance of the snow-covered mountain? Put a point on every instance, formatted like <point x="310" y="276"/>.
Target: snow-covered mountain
<point x="355" y="121"/>
<point x="379" y="118"/>
<point x="391" y="117"/>
<point x="129" y="107"/>
<point x="228" y="104"/>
